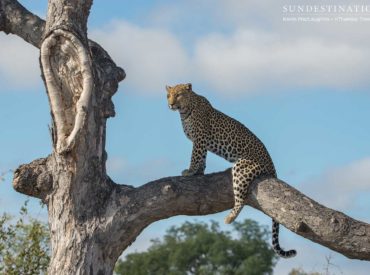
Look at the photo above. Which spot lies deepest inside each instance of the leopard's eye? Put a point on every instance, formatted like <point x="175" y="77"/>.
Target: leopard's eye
<point x="168" y="95"/>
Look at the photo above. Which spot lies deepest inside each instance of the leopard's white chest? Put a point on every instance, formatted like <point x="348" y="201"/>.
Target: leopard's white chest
<point x="188" y="128"/>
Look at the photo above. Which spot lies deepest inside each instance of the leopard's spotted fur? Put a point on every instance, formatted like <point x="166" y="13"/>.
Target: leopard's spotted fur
<point x="211" y="130"/>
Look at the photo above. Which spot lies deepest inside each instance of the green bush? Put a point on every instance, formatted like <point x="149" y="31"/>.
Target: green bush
<point x="197" y="248"/>
<point x="24" y="245"/>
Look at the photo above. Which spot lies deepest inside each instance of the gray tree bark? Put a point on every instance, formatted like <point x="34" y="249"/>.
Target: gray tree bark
<point x="92" y="219"/>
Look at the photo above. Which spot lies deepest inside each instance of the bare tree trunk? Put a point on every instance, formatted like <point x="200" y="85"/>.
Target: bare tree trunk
<point x="92" y="219"/>
<point x="80" y="79"/>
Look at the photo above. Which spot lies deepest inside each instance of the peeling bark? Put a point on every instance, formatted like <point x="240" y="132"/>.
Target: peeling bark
<point x="68" y="76"/>
<point x="92" y="219"/>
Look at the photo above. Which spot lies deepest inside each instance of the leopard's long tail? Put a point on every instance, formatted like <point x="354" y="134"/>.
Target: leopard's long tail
<point x="275" y="242"/>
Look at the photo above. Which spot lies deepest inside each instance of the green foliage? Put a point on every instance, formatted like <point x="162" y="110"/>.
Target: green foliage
<point x="24" y="245"/>
<point x="300" y="271"/>
<point x="196" y="248"/>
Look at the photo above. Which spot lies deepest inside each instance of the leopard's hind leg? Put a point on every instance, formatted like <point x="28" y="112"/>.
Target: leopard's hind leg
<point x="244" y="172"/>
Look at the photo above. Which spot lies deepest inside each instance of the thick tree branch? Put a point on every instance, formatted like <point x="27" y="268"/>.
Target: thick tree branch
<point x="202" y="195"/>
<point x="14" y="18"/>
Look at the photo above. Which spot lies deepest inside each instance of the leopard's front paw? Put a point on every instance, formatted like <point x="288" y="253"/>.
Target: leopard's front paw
<point x="188" y="172"/>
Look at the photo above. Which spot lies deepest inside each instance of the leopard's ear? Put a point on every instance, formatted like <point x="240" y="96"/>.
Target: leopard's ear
<point x="168" y="88"/>
<point x="188" y="86"/>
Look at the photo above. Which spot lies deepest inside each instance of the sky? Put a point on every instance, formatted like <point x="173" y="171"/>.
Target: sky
<point x="301" y="87"/>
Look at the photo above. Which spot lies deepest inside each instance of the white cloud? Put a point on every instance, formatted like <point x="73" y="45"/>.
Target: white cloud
<point x="354" y="177"/>
<point x="19" y="65"/>
<point x="151" y="57"/>
<point x="245" y="60"/>
<point x="250" y="60"/>
<point x="340" y="187"/>
<point x="242" y="47"/>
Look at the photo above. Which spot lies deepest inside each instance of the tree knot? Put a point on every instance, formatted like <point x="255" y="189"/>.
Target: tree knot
<point x="302" y="227"/>
<point x="167" y="190"/>
<point x="33" y="179"/>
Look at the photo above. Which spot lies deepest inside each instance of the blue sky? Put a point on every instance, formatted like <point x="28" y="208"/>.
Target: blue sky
<point x="303" y="88"/>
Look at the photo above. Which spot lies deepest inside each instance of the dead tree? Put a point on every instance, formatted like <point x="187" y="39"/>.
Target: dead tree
<point x="92" y="219"/>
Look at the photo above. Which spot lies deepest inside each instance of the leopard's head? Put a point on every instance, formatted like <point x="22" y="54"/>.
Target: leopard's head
<point x="179" y="97"/>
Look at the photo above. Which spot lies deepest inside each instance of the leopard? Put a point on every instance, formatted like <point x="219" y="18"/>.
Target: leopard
<point x="213" y="131"/>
